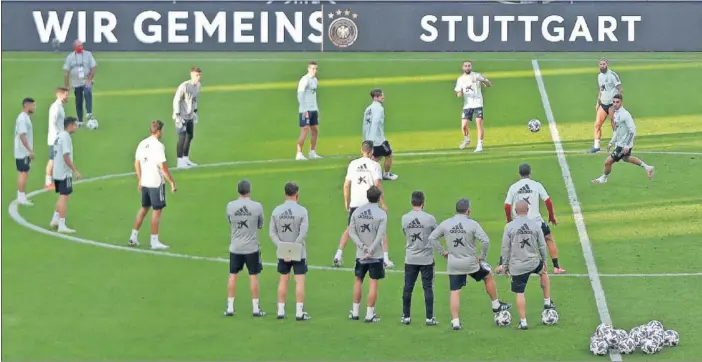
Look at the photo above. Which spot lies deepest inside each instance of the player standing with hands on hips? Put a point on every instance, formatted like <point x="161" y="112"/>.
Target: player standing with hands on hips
<point x="308" y="111"/>
<point x="24" y="148"/>
<point x="469" y="86"/>
<point x="151" y="168"/>
<point x="185" y="116"/>
<point x="79" y="72"/>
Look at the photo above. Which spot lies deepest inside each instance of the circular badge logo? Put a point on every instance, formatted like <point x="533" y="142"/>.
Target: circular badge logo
<point x="343" y="32"/>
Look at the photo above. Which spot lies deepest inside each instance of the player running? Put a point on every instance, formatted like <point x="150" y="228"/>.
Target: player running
<point x="609" y="86"/>
<point x="532" y="192"/>
<point x="374" y="130"/>
<point x="308" y="111"/>
<point x="622" y="141"/>
<point x="469" y="86"/>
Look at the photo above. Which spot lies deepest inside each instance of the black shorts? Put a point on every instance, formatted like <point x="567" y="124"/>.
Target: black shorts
<point x="187" y="127"/>
<point x="351" y="210"/>
<point x="153" y="197"/>
<point x="52" y="153"/>
<point x="469" y="112"/>
<point x="312" y="120"/>
<point x="412" y="271"/>
<point x="384" y="150"/>
<point x="252" y="261"/>
<point x="64" y="187"/>
<point x="458" y="281"/>
<point x="605" y="107"/>
<point x="375" y="270"/>
<point x="618" y="154"/>
<point x="23" y="164"/>
<point x="545" y="229"/>
<point x="298" y="267"/>
<point x="519" y="282"/>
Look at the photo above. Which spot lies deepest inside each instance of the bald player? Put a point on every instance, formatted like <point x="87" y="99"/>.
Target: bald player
<point x="462" y="234"/>
<point x="523" y="254"/>
<point x="609" y="86"/>
<point x="469" y="86"/>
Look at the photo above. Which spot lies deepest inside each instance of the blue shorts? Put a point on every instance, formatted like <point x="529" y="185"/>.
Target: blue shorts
<point x="312" y="120"/>
<point x="469" y="112"/>
<point x="24" y="164"/>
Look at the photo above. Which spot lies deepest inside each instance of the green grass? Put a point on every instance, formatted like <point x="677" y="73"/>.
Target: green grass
<point x="70" y="301"/>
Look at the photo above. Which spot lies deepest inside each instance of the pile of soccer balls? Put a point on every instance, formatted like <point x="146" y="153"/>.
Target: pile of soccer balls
<point x="549" y="317"/>
<point x="650" y="338"/>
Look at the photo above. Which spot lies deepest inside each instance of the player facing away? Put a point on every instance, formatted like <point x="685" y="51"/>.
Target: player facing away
<point x="374" y="130"/>
<point x="308" y="111"/>
<point x="622" y="141"/>
<point x="151" y="169"/>
<point x="523" y="254"/>
<point x="461" y="234"/>
<point x="245" y="220"/>
<point x="56" y="117"/>
<point x="533" y="192"/>
<point x="469" y="86"/>
<point x="24" y="148"/>
<point x="609" y="86"/>
<point x="185" y="116"/>
<point x="417" y="225"/>
<point x="79" y="72"/>
<point x="361" y="175"/>
<point x="289" y="224"/>
<point x="64" y="172"/>
<point x="367" y="229"/>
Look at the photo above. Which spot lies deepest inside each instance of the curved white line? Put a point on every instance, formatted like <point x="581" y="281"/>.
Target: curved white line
<point x="13" y="211"/>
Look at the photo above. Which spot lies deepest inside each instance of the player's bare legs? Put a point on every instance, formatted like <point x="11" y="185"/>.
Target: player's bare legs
<point x="141" y="214"/>
<point x="22" y="188"/>
<point x="466" y="134"/>
<point x="491" y="290"/>
<point x="521" y="305"/>
<point x="301" y="142"/>
<point x="553" y="252"/>
<point x="231" y="293"/>
<point x="282" y="294"/>
<point x="372" y="299"/>
<point x="357" y="295"/>
<point x="481" y="134"/>
<point x="454" y="306"/>
<point x="386" y="254"/>
<point x="300" y="314"/>
<point x="59" y="219"/>
<point x="600" y="116"/>
<point x="255" y="295"/>
<point x="605" y="173"/>
<point x="313" y="142"/>
<point x="630" y="159"/>
<point x="387" y="166"/>
<point x="155" y="223"/>
<point x="546" y="287"/>
<point x="49" y="182"/>
<point x="638" y="162"/>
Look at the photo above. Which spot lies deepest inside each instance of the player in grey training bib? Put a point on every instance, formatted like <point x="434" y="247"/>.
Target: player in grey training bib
<point x="289" y="224"/>
<point x="367" y="229"/>
<point x="245" y="220"/>
<point x="523" y="254"/>
<point x="462" y="234"/>
<point x="417" y="225"/>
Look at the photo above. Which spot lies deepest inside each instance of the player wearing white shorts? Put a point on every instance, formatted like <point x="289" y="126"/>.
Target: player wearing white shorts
<point x="56" y="117"/>
<point x="308" y="111"/>
<point x="469" y="86"/>
<point x="533" y="192"/>
<point x="361" y="174"/>
<point x="609" y="86"/>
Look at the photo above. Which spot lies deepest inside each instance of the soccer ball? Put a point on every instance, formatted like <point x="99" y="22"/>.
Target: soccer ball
<point x="650" y="347"/>
<point x="598" y="346"/>
<point x="549" y="317"/>
<point x="612" y="337"/>
<point x="622" y="334"/>
<point x="503" y="318"/>
<point x="92" y="124"/>
<point x="627" y="346"/>
<point x="534" y="125"/>
<point x="655" y="325"/>
<point x="638" y="334"/>
<point x="671" y="338"/>
<point x="658" y="337"/>
<point x="602" y="328"/>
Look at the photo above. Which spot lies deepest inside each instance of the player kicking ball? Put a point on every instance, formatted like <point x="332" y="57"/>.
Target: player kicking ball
<point x="469" y="87"/>
<point x="622" y="141"/>
<point x="523" y="254"/>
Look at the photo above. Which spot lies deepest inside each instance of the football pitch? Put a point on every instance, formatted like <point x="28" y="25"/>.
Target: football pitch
<point x="632" y="247"/>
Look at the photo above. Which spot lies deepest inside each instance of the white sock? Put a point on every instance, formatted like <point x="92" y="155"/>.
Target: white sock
<point x="230" y="304"/>
<point x="385" y="256"/>
<point x="523" y="321"/>
<point x="370" y="312"/>
<point x="48" y="180"/>
<point x="180" y="160"/>
<point x="281" y="308"/>
<point x="455" y="322"/>
<point x="312" y="151"/>
<point x="644" y="165"/>
<point x="547" y="301"/>
<point x="597" y="144"/>
<point x="154" y="239"/>
<point x="338" y="254"/>
<point x="55" y="217"/>
<point x="186" y="158"/>
<point x="299" y="309"/>
<point x="299" y="153"/>
<point x="135" y="234"/>
<point x="603" y="177"/>
<point x="62" y="222"/>
<point x="256" y="307"/>
<point x="495" y="304"/>
<point x="21" y="196"/>
<point x="466" y="137"/>
<point x="356" y="308"/>
<point x="480" y="142"/>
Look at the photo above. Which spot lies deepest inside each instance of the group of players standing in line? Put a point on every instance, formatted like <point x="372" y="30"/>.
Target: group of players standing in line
<point x="524" y="242"/>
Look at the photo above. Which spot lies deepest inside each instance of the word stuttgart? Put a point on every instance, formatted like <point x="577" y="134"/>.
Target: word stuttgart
<point x="551" y="28"/>
<point x="182" y="27"/>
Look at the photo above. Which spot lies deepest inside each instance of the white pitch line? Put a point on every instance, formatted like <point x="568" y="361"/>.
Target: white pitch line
<point x="13" y="210"/>
<point x="600" y="298"/>
<point x="349" y="60"/>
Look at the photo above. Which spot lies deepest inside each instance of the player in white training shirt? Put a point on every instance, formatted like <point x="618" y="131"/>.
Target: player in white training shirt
<point x="56" y="117"/>
<point x="469" y="86"/>
<point x="533" y="192"/>
<point x="151" y="169"/>
<point x="308" y="111"/>
<point x="361" y="174"/>
<point x="609" y="85"/>
<point x="24" y="148"/>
